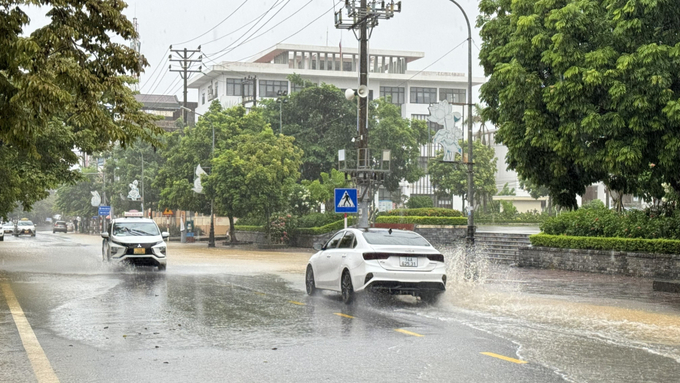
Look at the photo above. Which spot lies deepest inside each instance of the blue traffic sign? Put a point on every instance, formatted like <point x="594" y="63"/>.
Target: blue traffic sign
<point x="346" y="201"/>
<point x="104" y="210"/>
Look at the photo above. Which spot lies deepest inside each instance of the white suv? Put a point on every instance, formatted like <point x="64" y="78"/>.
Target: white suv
<point x="135" y="240"/>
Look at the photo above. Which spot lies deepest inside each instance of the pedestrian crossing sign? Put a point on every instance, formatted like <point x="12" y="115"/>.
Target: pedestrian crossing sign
<point x="346" y="201"/>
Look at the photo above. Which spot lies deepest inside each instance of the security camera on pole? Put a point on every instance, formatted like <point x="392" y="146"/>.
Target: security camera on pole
<point x="363" y="17"/>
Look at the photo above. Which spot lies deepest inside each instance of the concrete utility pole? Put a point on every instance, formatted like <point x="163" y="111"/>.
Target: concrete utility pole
<point x="364" y="17"/>
<point x="185" y="62"/>
<point x="250" y="80"/>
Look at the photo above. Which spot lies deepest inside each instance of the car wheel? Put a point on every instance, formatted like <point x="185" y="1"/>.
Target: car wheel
<point x="2" y="238"/>
<point x="161" y="267"/>
<point x="346" y="288"/>
<point x="310" y="286"/>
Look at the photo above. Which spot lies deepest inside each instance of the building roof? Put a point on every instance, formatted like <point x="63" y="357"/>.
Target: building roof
<point x="158" y="101"/>
<point x="269" y="54"/>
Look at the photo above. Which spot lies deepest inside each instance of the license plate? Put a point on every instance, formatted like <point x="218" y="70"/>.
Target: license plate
<point x="140" y="250"/>
<point x="26" y="231"/>
<point x="408" y="261"/>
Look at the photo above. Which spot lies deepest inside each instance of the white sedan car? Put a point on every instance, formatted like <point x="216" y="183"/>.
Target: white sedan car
<point x="377" y="260"/>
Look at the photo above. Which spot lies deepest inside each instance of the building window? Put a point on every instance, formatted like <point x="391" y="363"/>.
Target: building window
<point x="452" y="95"/>
<point x="234" y="86"/>
<point x="269" y="88"/>
<point x="423" y="95"/>
<point x="203" y="98"/>
<point x="396" y="94"/>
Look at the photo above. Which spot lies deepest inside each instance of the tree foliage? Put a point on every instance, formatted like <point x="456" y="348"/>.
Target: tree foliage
<point x="584" y="91"/>
<point x="451" y="179"/>
<point x="63" y="87"/>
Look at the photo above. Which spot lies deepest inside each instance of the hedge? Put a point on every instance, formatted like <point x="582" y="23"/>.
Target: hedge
<point x="335" y="226"/>
<point x="441" y="221"/>
<point x="424" y="212"/>
<point x="248" y="228"/>
<point x="633" y="245"/>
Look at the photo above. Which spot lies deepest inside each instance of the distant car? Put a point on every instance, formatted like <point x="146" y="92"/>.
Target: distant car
<point x="24" y="227"/>
<point x="8" y="227"/>
<point x="59" y="226"/>
<point x="135" y="240"/>
<point x="377" y="260"/>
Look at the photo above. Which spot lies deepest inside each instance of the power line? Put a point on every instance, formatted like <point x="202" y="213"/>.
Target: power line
<point x="218" y="24"/>
<point x="434" y="62"/>
<point x="253" y="26"/>
<point x="160" y="63"/>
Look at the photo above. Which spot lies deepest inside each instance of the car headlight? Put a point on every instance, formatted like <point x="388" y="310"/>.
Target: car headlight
<point x="160" y="249"/>
<point x="116" y="249"/>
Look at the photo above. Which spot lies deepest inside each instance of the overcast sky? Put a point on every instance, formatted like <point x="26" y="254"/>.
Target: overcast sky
<point x="430" y="26"/>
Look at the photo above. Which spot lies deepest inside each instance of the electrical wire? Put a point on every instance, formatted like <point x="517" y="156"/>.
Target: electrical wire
<point x="160" y="64"/>
<point x="218" y="24"/>
<point x="434" y="62"/>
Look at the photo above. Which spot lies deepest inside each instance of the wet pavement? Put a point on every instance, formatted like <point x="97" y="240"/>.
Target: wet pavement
<point x="241" y="315"/>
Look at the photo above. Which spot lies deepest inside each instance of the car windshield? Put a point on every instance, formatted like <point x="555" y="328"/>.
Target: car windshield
<point x="25" y="223"/>
<point x="60" y="223"/>
<point x="125" y="229"/>
<point x="400" y="238"/>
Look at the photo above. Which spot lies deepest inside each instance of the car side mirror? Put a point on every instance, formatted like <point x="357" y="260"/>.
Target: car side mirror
<point x="165" y="235"/>
<point x="318" y="246"/>
<point x="105" y="235"/>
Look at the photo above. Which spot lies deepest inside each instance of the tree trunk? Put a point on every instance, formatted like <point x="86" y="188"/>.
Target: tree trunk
<point x="232" y="229"/>
<point x="268" y="226"/>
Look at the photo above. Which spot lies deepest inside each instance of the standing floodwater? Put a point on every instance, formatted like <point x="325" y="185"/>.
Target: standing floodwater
<point x="586" y="327"/>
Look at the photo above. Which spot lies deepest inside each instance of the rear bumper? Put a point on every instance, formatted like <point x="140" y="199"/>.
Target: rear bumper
<point x="398" y="287"/>
<point x="376" y="279"/>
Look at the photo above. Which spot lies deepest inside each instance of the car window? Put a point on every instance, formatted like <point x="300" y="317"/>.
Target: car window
<point x="333" y="243"/>
<point x="25" y="223"/>
<point x="400" y="238"/>
<point x="347" y="241"/>
<point x="130" y="229"/>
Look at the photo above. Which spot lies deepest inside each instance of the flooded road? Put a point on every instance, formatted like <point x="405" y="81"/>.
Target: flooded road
<point x="241" y="315"/>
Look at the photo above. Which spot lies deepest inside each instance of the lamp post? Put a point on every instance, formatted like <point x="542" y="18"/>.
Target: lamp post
<point x="281" y="99"/>
<point x="471" y="218"/>
<point x="211" y="237"/>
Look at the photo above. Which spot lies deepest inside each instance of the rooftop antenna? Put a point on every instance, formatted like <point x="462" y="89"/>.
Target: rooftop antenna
<point x="136" y="45"/>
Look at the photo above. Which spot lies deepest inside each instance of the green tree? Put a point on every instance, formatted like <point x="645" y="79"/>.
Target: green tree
<point x="584" y="91"/>
<point x="419" y="201"/>
<point x="507" y="190"/>
<point x="63" y="87"/>
<point x="452" y="178"/>
<point x="323" y="191"/>
<point x="74" y="199"/>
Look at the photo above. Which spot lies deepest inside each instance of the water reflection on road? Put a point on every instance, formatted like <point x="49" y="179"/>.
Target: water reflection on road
<point x="590" y="327"/>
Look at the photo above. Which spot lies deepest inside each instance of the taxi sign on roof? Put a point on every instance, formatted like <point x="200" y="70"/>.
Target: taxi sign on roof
<point x="133" y="213"/>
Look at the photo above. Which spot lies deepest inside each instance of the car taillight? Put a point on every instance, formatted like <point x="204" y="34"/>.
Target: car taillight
<point x="435" y="257"/>
<point x="372" y="256"/>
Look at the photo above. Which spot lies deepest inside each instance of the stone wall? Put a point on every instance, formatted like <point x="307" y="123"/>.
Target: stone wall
<point x="600" y="261"/>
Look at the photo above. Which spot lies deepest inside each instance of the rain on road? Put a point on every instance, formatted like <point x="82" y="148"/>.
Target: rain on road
<point x="241" y="315"/>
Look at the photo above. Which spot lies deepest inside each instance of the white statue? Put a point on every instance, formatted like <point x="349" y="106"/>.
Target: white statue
<point x="448" y="137"/>
<point x="96" y="200"/>
<point x="134" y="191"/>
<point x="198" y="188"/>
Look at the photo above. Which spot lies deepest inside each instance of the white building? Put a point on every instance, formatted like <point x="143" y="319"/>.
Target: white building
<point x="388" y="75"/>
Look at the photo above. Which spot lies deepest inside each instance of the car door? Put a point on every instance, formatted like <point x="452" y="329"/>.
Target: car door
<point x="324" y="265"/>
<point x="340" y="258"/>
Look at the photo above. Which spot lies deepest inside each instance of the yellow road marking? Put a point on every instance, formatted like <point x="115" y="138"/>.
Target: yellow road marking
<point x="297" y="303"/>
<point x="259" y="293"/>
<point x="344" y="315"/>
<point x="513" y="360"/>
<point x="407" y="332"/>
<point x="41" y="366"/>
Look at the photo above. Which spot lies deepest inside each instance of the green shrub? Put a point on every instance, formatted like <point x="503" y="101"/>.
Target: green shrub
<point x="424" y="212"/>
<point x="335" y="226"/>
<point x="319" y="219"/>
<point x="635" y="245"/>
<point x="444" y="221"/>
<point x="419" y="201"/>
<point x="248" y="228"/>
<point x="251" y="221"/>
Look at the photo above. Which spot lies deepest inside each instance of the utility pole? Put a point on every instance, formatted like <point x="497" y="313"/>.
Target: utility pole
<point x="186" y="61"/>
<point x="364" y="17"/>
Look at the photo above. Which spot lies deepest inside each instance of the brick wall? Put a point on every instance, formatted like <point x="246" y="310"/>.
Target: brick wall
<point x="600" y="261"/>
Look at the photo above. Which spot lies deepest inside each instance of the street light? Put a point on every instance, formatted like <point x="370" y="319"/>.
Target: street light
<point x="281" y="99"/>
<point x="211" y="237"/>
<point x="471" y="219"/>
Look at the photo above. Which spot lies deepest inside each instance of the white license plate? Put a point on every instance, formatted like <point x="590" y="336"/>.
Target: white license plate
<point x="408" y="261"/>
